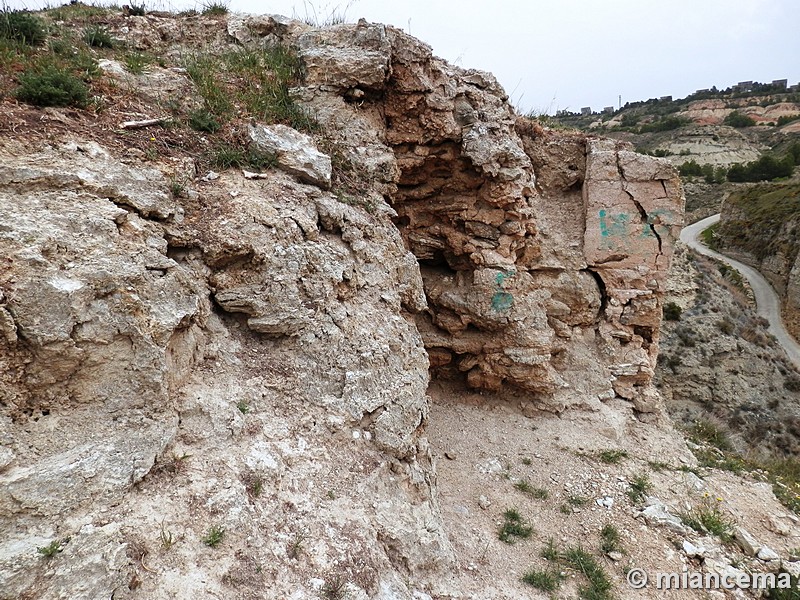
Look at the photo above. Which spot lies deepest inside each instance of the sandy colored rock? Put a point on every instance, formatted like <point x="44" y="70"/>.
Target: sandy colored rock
<point x="294" y="152"/>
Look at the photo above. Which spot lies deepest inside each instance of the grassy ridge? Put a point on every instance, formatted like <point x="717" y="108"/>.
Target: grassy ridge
<point x="764" y="225"/>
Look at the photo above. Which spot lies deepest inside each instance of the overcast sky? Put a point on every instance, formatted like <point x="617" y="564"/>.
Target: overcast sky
<point x="565" y="54"/>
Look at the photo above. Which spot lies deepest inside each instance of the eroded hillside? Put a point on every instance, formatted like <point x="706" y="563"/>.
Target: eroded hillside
<point x="227" y="270"/>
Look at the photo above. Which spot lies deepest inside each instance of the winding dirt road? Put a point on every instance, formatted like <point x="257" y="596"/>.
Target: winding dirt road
<point x="769" y="305"/>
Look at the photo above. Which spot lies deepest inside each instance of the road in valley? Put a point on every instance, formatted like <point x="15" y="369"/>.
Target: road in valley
<point x="769" y="305"/>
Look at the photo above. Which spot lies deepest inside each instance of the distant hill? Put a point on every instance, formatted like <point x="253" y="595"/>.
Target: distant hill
<point x="713" y="127"/>
<point x="720" y="140"/>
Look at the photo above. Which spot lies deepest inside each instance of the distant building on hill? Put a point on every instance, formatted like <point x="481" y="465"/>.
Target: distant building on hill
<point x="666" y="98"/>
<point x="586" y="110"/>
<point x="608" y="110"/>
<point x="744" y="86"/>
<point x="780" y="83"/>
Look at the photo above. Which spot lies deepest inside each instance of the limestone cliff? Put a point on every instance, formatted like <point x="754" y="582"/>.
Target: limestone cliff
<point x="248" y="352"/>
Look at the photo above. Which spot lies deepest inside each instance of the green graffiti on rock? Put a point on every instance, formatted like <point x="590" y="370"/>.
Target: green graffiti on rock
<point x="502" y="300"/>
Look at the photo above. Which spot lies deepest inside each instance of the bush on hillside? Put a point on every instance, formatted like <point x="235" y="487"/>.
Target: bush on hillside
<point x="21" y="27"/>
<point x="690" y="169"/>
<point x="672" y="312"/>
<point x="765" y="168"/>
<point x="52" y="87"/>
<point x="737" y="119"/>
<point x="666" y="124"/>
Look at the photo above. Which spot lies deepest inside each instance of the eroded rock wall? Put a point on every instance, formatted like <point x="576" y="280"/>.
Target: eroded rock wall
<point x="162" y="356"/>
<point x="543" y="254"/>
<point x="252" y="354"/>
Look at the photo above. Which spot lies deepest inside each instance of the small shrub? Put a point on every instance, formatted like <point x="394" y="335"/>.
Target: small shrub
<point x="792" y="383"/>
<point x="737" y="119"/>
<point x="638" y="488"/>
<point x="135" y="10"/>
<point x="546" y="581"/>
<point x="514" y="527"/>
<point x="726" y="326"/>
<point x="609" y="539"/>
<point x="709" y="519"/>
<point x="334" y="587"/>
<point x="52" y="86"/>
<point x="612" y="457"/>
<point x="98" y="37"/>
<point x="215" y="8"/>
<point x="21" y="26"/>
<point x="690" y="168"/>
<point x="243" y="406"/>
<point x="203" y="120"/>
<point x="672" y="312"/>
<point x="214" y="536"/>
<point x="51" y="549"/>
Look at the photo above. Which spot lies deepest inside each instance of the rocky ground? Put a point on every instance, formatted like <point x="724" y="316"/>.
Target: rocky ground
<point x="580" y="473"/>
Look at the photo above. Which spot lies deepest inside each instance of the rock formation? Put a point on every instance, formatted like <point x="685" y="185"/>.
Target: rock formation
<point x="250" y="354"/>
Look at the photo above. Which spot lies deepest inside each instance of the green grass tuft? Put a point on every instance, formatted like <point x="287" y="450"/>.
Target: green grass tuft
<point x="214" y="536"/>
<point x="97" y="37"/>
<point x="251" y="82"/>
<point x="204" y="121"/>
<point x="599" y="585"/>
<point x="610" y="539"/>
<point x="215" y="9"/>
<point x="546" y="581"/>
<point x="227" y="156"/>
<point x="514" y="527"/>
<point x="526" y="488"/>
<point x="708" y="518"/>
<point x="612" y="457"/>
<point x="549" y="552"/>
<point x="638" y="488"/>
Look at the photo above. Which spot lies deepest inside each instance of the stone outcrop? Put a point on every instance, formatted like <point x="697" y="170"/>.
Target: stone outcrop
<point x="294" y="152"/>
<point x="251" y="352"/>
<point x="543" y="255"/>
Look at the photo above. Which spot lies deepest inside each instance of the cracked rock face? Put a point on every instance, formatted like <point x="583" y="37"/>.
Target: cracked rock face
<point x="159" y="356"/>
<point x="542" y="254"/>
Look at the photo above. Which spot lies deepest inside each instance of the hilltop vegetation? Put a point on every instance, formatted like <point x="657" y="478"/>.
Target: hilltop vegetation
<point x="709" y="130"/>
